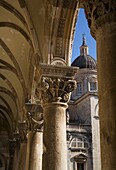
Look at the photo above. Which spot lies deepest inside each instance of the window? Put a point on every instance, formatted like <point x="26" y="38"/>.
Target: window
<point x="79" y="88"/>
<point x="93" y="86"/>
<point x="79" y="143"/>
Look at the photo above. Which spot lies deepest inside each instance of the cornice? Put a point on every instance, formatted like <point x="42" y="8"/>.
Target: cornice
<point x="48" y="70"/>
<point x="83" y="97"/>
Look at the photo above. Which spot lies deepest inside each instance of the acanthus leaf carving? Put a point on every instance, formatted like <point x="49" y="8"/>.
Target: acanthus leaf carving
<point x="99" y="12"/>
<point x="55" y="83"/>
<point x="55" y="89"/>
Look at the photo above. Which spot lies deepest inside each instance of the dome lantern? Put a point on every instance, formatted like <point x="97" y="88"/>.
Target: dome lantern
<point x="84" y="48"/>
<point x="84" y="60"/>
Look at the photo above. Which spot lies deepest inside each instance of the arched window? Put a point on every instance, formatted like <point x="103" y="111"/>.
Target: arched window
<point x="79" y="143"/>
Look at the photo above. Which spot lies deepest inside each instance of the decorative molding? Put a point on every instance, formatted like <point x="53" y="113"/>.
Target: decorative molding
<point x="59" y="46"/>
<point x="61" y="27"/>
<point x="60" y="35"/>
<point x="62" y="4"/>
<point x="48" y="70"/>
<point x="58" y="61"/>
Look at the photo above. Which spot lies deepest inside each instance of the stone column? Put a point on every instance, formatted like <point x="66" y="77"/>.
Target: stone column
<point x="22" y="156"/>
<point x="16" y="139"/>
<point x="55" y="86"/>
<point x="55" y="136"/>
<point x="37" y="151"/>
<point x="14" y="151"/>
<point x="101" y="16"/>
<point x="23" y="146"/>
<point x="34" y="138"/>
<point x="28" y="149"/>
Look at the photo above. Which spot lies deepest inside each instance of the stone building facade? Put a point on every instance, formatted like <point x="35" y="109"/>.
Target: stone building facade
<point x="83" y="126"/>
<point x="36" y="80"/>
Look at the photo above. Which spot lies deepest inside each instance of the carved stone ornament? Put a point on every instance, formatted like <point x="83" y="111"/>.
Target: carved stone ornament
<point x="56" y="83"/>
<point x="35" y="122"/>
<point x="34" y="116"/>
<point x="99" y="12"/>
<point x="55" y="89"/>
<point x="23" y="128"/>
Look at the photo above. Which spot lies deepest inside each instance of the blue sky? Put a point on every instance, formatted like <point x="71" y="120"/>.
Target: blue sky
<point x="82" y="27"/>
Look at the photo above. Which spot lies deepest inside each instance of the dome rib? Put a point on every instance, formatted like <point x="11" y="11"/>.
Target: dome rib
<point x="83" y="61"/>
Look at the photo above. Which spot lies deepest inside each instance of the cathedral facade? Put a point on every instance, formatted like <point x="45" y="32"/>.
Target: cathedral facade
<point x="83" y="131"/>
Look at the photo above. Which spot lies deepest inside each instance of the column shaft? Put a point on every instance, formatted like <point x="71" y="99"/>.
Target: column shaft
<point x="22" y="156"/>
<point x="34" y="151"/>
<point x="37" y="151"/>
<point x="106" y="49"/>
<point x="55" y="157"/>
<point x="29" y="147"/>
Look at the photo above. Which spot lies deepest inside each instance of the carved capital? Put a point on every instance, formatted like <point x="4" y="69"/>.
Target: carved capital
<point x="35" y="122"/>
<point x="99" y="12"/>
<point x="23" y="128"/>
<point x="34" y="117"/>
<point x="55" y="89"/>
<point x="56" y="84"/>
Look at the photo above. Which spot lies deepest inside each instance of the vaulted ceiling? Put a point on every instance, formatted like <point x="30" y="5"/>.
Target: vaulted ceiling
<point x="16" y="51"/>
<point x="30" y="33"/>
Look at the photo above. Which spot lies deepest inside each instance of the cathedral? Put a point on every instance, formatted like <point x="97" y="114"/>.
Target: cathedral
<point x="83" y="135"/>
<point x="49" y="115"/>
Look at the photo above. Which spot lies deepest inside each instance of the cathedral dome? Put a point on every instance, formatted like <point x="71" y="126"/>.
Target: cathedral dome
<point x="84" y="60"/>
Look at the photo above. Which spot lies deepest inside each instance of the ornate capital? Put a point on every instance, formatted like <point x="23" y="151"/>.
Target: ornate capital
<point x="34" y="117"/>
<point x="56" y="83"/>
<point x="99" y="12"/>
<point x="55" y="89"/>
<point x="23" y="128"/>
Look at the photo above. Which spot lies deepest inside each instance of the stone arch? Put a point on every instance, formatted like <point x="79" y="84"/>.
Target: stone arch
<point x="63" y="30"/>
<point x="12" y="69"/>
<point x="17" y="28"/>
<point x="6" y="104"/>
<point x="13" y="10"/>
<point x="14" y="99"/>
<point x="7" y="120"/>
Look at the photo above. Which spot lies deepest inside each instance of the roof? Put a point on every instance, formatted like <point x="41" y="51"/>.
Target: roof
<point x="85" y="61"/>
